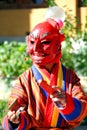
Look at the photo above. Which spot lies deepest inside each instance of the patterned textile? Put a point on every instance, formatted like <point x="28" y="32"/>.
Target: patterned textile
<point x="41" y="112"/>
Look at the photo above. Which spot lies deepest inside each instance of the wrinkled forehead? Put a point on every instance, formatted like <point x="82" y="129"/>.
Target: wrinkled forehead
<point x="43" y="29"/>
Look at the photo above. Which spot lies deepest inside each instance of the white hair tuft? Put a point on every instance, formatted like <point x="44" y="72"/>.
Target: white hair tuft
<point x="56" y="13"/>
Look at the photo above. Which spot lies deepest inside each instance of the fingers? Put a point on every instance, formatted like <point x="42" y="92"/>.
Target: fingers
<point x="56" y="88"/>
<point x="12" y="117"/>
<point x="57" y="94"/>
<point x="59" y="97"/>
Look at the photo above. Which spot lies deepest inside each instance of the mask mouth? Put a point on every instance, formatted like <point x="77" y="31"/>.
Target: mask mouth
<point x="38" y="54"/>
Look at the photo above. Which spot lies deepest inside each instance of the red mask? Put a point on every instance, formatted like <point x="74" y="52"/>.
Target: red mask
<point x="44" y="44"/>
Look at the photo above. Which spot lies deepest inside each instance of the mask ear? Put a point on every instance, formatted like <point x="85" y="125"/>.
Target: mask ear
<point x="61" y="37"/>
<point x="27" y="51"/>
<point x="27" y="48"/>
<point x="27" y="39"/>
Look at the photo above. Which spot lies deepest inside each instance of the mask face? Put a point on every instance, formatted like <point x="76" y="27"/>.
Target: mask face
<point x="43" y="44"/>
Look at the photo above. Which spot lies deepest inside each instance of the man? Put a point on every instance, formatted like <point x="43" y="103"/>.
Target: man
<point x="47" y="96"/>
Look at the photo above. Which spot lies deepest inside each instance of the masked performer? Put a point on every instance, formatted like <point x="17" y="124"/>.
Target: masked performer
<point x="47" y="96"/>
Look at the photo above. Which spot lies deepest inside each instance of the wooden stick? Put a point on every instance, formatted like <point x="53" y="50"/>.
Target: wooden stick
<point x="12" y="104"/>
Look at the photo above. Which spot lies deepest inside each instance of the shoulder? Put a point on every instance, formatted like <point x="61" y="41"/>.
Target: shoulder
<point x="25" y="76"/>
<point x="25" y="73"/>
<point x="71" y="75"/>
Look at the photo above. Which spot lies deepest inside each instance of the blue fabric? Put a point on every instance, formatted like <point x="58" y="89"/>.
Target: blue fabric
<point x="64" y="78"/>
<point x="36" y="73"/>
<point x="76" y="111"/>
<point x="64" y="88"/>
<point x="38" y="76"/>
<point x="59" y="120"/>
<point x="25" y="124"/>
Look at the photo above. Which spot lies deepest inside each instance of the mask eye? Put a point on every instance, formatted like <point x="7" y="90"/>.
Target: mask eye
<point x="32" y="42"/>
<point x="46" y="42"/>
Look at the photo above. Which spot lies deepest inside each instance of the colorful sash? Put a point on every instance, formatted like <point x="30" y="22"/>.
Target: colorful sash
<point x="52" y="116"/>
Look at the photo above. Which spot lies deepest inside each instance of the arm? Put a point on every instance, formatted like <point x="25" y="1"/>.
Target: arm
<point x="76" y="103"/>
<point x="24" y="120"/>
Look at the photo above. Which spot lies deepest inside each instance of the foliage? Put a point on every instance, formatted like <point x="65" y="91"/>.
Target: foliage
<point x="13" y="59"/>
<point x="3" y="108"/>
<point x="84" y="122"/>
<point x="50" y="3"/>
<point x="75" y="49"/>
<point x="84" y="2"/>
<point x="75" y="45"/>
<point x="75" y="56"/>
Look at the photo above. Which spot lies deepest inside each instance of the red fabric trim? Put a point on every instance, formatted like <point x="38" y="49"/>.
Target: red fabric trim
<point x="48" y="112"/>
<point x="54" y="75"/>
<point x="69" y="106"/>
<point x="22" y="122"/>
<point x="50" y="103"/>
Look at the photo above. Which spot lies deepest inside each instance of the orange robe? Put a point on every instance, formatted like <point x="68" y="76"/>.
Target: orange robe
<point x="41" y="112"/>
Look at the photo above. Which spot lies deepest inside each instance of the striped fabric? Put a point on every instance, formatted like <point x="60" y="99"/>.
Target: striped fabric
<point x="41" y="111"/>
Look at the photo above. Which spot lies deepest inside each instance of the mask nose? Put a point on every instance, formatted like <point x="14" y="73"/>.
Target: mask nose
<point x="37" y="45"/>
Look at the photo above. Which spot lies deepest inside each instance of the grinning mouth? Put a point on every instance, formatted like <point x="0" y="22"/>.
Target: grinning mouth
<point x="38" y="54"/>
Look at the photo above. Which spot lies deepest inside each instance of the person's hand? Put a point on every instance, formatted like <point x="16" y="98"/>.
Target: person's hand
<point x="59" y="97"/>
<point x="12" y="117"/>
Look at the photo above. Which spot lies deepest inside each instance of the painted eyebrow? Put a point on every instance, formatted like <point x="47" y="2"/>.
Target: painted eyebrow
<point x="44" y="35"/>
<point x="34" y="35"/>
